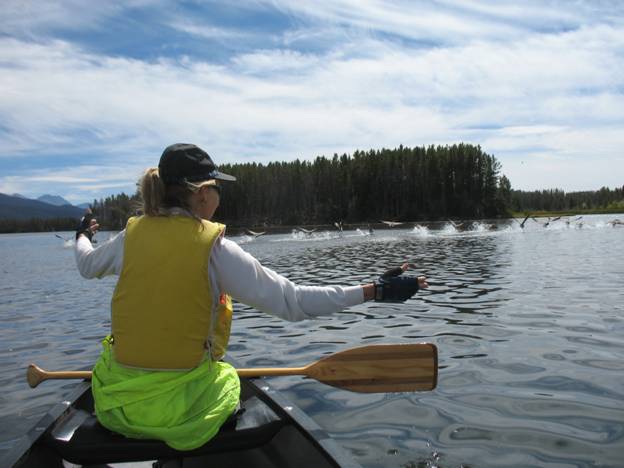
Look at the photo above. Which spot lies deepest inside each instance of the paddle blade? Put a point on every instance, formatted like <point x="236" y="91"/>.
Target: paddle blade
<point x="380" y="368"/>
<point x="34" y="375"/>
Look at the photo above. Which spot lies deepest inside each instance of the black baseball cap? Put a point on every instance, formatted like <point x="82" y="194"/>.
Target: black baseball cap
<point x="184" y="162"/>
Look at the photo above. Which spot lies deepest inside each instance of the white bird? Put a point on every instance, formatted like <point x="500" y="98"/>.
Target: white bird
<point x="457" y="225"/>
<point x="391" y="223"/>
<point x="255" y="234"/>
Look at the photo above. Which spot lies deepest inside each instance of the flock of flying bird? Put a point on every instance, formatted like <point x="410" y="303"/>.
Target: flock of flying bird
<point x="461" y="225"/>
<point x="568" y="221"/>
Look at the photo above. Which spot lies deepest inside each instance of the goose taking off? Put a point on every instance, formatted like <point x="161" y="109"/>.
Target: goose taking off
<point x="547" y="223"/>
<point x="255" y="234"/>
<point x="575" y="219"/>
<point x="552" y="220"/>
<point x="457" y="225"/>
<point x="523" y="221"/>
<point x="67" y="241"/>
<point x="391" y="223"/>
<point x="306" y="231"/>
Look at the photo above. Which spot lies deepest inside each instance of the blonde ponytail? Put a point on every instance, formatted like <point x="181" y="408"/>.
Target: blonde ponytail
<point x="152" y="190"/>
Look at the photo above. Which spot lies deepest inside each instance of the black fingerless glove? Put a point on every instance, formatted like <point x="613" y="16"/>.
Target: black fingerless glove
<point x="392" y="287"/>
<point x="83" y="227"/>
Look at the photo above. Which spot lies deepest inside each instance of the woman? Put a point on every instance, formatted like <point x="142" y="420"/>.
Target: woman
<point x="160" y="374"/>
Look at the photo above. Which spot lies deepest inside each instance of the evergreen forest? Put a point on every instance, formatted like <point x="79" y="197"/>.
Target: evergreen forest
<point x="459" y="181"/>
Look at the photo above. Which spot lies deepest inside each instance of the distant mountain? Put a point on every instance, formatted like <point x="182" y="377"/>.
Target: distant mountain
<point x="18" y="195"/>
<point x="53" y="200"/>
<point x="23" y="208"/>
<point x="84" y="206"/>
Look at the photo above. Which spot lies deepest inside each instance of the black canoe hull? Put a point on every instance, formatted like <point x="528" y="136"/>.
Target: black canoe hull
<point x="271" y="432"/>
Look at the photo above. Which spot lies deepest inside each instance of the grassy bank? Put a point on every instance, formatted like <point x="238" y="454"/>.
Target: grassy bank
<point x="578" y="212"/>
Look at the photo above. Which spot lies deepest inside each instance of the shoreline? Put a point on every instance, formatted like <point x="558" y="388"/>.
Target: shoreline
<point x="237" y="229"/>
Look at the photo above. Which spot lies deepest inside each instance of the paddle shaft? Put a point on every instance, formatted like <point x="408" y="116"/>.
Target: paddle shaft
<point x="367" y="369"/>
<point x="47" y="375"/>
<point x="271" y="371"/>
<point x="253" y="372"/>
<point x="40" y="374"/>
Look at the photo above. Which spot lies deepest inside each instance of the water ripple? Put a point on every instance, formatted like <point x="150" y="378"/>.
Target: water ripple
<point x="529" y="325"/>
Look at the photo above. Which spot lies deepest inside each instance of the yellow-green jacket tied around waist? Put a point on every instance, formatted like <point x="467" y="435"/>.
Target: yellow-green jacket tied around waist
<point x="158" y="377"/>
<point x="184" y="409"/>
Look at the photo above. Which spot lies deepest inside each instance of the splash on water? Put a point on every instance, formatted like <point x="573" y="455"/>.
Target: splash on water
<point x="244" y="239"/>
<point x="531" y="350"/>
<point x="422" y="231"/>
<point x="448" y="229"/>
<point x="297" y="235"/>
<point x="478" y="226"/>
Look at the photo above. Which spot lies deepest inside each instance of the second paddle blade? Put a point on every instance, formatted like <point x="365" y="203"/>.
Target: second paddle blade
<point x="380" y="368"/>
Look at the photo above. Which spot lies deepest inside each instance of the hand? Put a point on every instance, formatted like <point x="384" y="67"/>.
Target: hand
<point x="392" y="287"/>
<point x="88" y="226"/>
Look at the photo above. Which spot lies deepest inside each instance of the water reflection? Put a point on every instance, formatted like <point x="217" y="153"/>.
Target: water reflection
<point x="515" y="304"/>
<point x="529" y="324"/>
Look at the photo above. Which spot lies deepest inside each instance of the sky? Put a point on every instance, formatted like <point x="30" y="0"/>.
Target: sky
<point x="92" y="92"/>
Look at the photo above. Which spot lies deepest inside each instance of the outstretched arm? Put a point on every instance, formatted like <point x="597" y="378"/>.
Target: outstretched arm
<point x="244" y="278"/>
<point x="107" y="259"/>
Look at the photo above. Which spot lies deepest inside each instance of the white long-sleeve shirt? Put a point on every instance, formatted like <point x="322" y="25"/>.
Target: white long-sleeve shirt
<point x="237" y="273"/>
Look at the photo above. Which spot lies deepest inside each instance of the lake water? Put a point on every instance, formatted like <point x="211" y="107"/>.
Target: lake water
<point x="529" y="324"/>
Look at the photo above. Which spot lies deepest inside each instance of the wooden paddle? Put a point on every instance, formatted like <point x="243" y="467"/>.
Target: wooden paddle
<point x="367" y="369"/>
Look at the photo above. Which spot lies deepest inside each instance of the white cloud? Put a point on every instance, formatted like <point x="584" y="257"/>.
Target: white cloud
<point x="76" y="184"/>
<point x="534" y="100"/>
<point x="414" y="20"/>
<point x="34" y="17"/>
<point x="208" y="32"/>
<point x="454" y="21"/>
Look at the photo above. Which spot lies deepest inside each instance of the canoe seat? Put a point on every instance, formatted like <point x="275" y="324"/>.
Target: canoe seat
<point x="79" y="438"/>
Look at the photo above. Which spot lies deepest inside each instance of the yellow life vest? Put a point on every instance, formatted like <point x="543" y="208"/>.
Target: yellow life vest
<point x="163" y="316"/>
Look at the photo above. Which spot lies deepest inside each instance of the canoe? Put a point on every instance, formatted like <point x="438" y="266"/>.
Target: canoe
<point x="269" y="431"/>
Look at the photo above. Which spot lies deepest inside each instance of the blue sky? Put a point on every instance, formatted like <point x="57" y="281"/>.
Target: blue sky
<point x="91" y="92"/>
